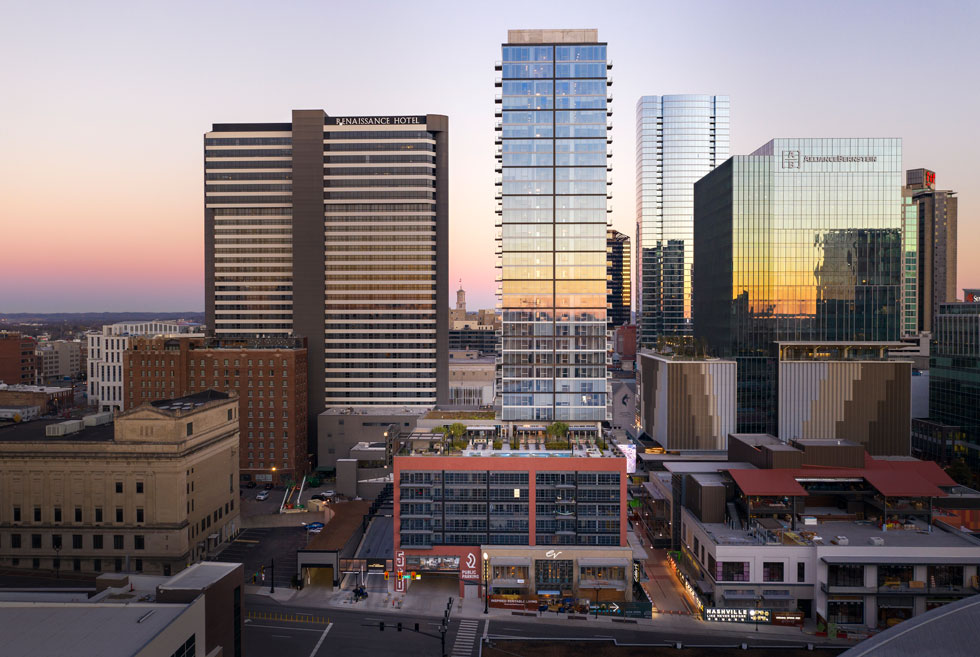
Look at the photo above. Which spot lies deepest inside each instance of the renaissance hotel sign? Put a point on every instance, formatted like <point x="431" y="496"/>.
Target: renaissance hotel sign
<point x="375" y="120"/>
<point x="793" y="160"/>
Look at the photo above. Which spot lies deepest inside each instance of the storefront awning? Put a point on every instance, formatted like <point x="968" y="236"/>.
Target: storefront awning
<point x="603" y="562"/>
<point x="732" y="595"/>
<point x="782" y="595"/>
<point x="510" y="561"/>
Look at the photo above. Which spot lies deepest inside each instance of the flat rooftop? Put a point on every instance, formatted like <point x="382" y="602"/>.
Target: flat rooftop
<point x="34" y="431"/>
<point x="199" y="576"/>
<point x="83" y="629"/>
<point x="375" y="410"/>
<point x="339" y="529"/>
<point x="22" y="388"/>
<point x="188" y="402"/>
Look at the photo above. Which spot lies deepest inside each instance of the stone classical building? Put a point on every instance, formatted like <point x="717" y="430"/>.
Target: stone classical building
<point x="152" y="492"/>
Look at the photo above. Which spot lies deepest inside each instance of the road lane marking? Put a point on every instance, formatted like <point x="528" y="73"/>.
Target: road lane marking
<point x="320" y="642"/>
<point x="280" y="627"/>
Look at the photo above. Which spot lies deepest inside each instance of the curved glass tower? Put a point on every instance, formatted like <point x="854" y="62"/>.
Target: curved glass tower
<point x="552" y="156"/>
<point x="679" y="139"/>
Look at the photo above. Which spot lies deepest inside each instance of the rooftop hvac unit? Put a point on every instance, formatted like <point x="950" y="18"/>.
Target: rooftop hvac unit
<point x="97" y="419"/>
<point x="64" y="428"/>
<point x="876" y="540"/>
<point x="840" y="540"/>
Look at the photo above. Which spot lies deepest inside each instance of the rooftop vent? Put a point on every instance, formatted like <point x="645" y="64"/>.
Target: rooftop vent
<point x="64" y="428"/>
<point x="97" y="419"/>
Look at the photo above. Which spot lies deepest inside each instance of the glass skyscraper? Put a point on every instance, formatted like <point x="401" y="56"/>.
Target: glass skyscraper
<point x="801" y="240"/>
<point x="679" y="139"/>
<point x="552" y="156"/>
<point x="954" y="377"/>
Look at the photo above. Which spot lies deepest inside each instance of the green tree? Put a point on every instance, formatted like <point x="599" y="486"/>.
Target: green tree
<point x="457" y="429"/>
<point x="558" y="430"/>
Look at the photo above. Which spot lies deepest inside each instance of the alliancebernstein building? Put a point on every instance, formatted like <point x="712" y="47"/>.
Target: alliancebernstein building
<point x="552" y="154"/>
<point x="800" y="241"/>
<point x="335" y="229"/>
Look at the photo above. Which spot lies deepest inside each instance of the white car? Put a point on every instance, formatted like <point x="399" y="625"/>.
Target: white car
<point x="262" y="496"/>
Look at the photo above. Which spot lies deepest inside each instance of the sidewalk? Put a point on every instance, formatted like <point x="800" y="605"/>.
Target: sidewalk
<point x="471" y="607"/>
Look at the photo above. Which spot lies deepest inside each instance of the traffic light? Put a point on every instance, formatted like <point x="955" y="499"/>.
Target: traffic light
<point x="386" y="575"/>
<point x="381" y="626"/>
<point x="399" y="626"/>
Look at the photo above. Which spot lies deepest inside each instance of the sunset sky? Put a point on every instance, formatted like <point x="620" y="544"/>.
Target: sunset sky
<point x="104" y="105"/>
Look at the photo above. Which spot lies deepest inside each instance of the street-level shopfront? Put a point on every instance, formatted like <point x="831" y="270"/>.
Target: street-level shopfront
<point x="532" y="577"/>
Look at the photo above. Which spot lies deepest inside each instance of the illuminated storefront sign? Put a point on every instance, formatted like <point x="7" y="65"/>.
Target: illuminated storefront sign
<point x="738" y="615"/>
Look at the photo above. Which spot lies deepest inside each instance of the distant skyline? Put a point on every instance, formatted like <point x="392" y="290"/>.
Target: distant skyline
<point x="105" y="106"/>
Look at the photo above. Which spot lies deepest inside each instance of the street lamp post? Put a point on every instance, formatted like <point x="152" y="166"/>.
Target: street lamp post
<point x="486" y="583"/>
<point x="758" y="601"/>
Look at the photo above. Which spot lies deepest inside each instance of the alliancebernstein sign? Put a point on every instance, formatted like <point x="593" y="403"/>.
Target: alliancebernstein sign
<point x="375" y="120"/>
<point x="792" y="159"/>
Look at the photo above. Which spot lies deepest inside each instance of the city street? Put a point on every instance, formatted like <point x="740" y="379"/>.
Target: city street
<point x="288" y="631"/>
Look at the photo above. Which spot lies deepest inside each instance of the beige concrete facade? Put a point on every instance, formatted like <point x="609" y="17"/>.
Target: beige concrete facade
<point x="553" y="36"/>
<point x="152" y="493"/>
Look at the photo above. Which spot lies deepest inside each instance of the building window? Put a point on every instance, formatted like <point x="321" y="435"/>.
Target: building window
<point x="138" y="543"/>
<point x="98" y="514"/>
<point x="36" y="541"/>
<point x="97" y="565"/>
<point x="801" y="572"/>
<point x="76" y="541"/>
<point x="119" y="487"/>
<point x="78" y="514"/>
<point x="16" y="514"/>
<point x="942" y="576"/>
<point x="772" y="571"/>
<point x="845" y="575"/>
<point x="849" y="612"/>
<point x="139" y="565"/>
<point x="119" y="514"/>
<point x="732" y="571"/>
<point x="97" y="543"/>
<point x="15" y="541"/>
<point x="37" y="514"/>
<point x="117" y="542"/>
<point x="190" y="425"/>
<point x="139" y="486"/>
<point x="139" y="514"/>
<point x="57" y="514"/>
<point x="189" y="648"/>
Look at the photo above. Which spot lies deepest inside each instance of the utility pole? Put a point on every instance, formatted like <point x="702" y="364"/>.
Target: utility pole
<point x="272" y="581"/>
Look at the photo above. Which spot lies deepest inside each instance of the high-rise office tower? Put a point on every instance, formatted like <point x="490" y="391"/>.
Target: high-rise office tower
<point x="936" y="243"/>
<point x="801" y="240"/>
<point x="552" y="154"/>
<point x="335" y="229"/>
<point x="910" y="262"/>
<point x="679" y="139"/>
<point x="618" y="277"/>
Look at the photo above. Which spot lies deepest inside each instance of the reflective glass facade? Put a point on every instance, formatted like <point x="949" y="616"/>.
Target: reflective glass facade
<point x="679" y="139"/>
<point x="804" y="242"/>
<point x="954" y="374"/>
<point x="618" y="277"/>
<point x="552" y="157"/>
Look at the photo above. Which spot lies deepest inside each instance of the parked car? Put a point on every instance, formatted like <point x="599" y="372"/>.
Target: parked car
<point x="250" y="484"/>
<point x="262" y="496"/>
<point x="325" y="496"/>
<point x="268" y="486"/>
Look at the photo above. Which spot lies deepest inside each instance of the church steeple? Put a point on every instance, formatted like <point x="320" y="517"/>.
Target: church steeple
<point x="461" y="297"/>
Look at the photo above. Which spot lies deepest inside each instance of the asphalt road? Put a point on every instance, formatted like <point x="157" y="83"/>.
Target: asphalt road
<point x="259" y="547"/>
<point x="379" y="540"/>
<point x="296" y="632"/>
<point x="357" y="633"/>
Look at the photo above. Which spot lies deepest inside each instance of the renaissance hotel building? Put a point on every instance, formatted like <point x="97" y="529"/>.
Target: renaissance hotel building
<point x="552" y="148"/>
<point x="335" y="229"/>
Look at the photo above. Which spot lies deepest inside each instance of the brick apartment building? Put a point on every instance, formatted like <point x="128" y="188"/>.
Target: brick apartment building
<point x="17" y="360"/>
<point x="269" y="376"/>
